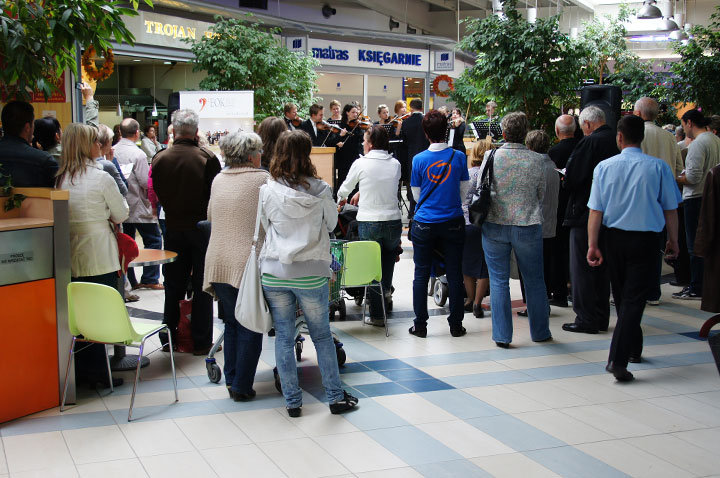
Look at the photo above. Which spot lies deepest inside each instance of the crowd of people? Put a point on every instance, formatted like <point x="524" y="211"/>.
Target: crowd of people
<point x="598" y="211"/>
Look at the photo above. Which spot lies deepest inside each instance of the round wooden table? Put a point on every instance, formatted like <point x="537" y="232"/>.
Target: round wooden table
<point x="120" y="361"/>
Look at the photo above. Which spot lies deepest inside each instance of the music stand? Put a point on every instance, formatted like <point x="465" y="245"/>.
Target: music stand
<point x="483" y="128"/>
<point x="389" y="129"/>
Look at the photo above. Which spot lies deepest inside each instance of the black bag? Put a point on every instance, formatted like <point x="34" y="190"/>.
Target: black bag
<point x="417" y="207"/>
<point x="479" y="208"/>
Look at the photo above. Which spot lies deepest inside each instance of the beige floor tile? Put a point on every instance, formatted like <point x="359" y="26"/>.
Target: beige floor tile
<point x="609" y="421"/>
<point x="97" y="444"/>
<point x="36" y="451"/>
<point x="631" y="460"/>
<point x="55" y="472"/>
<point x="211" y="431"/>
<point x="688" y="406"/>
<point x="131" y="468"/>
<point x="189" y="464"/>
<point x="3" y="461"/>
<point x="465" y="439"/>
<point x="595" y="392"/>
<point x="548" y="393"/>
<point x="685" y="455"/>
<point x="230" y="462"/>
<point x="166" y="397"/>
<point x="265" y="425"/>
<point x="316" y="420"/>
<point x="302" y="458"/>
<point x="414" y="409"/>
<point x="707" y="438"/>
<point x="406" y="472"/>
<point x="358" y="452"/>
<point x="658" y="418"/>
<point x="155" y="438"/>
<point x="453" y="370"/>
<point x="563" y="427"/>
<point x="541" y="361"/>
<point x="512" y="465"/>
<point x="505" y="399"/>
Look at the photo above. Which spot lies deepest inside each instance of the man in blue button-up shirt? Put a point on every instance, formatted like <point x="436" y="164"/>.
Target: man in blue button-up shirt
<point x="633" y="196"/>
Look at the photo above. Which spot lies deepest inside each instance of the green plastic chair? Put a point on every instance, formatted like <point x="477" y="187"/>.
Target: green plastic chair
<point x="362" y="267"/>
<point x="97" y="314"/>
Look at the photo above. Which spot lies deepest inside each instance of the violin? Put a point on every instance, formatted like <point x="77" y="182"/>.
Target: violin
<point x="325" y="126"/>
<point x="399" y="118"/>
<point x="360" y="124"/>
<point x="296" y="122"/>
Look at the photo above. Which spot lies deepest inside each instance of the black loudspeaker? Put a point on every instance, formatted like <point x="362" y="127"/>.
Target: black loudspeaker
<point x="173" y="104"/>
<point x="259" y="4"/>
<point x="606" y="97"/>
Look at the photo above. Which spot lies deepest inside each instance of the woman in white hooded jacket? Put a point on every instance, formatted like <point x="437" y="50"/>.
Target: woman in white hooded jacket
<point x="297" y="214"/>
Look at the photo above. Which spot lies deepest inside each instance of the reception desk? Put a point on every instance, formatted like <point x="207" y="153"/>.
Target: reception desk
<point x="34" y="273"/>
<point x="324" y="161"/>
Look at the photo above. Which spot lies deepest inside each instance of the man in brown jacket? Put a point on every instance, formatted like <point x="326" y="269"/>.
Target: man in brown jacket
<point x="182" y="176"/>
<point x="706" y="240"/>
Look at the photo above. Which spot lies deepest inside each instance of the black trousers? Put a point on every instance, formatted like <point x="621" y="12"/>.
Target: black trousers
<point x="556" y="254"/>
<point x="189" y="267"/>
<point x="631" y="257"/>
<point x="590" y="285"/>
<point x="682" y="264"/>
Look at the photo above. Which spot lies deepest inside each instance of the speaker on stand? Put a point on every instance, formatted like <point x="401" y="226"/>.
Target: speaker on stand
<point x="606" y="97"/>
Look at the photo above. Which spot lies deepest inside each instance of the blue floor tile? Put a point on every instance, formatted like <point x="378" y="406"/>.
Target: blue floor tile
<point x="389" y="364"/>
<point x="666" y="325"/>
<point x="461" y="404"/>
<point x="685" y="310"/>
<point x="405" y="374"/>
<point x="452" y="469"/>
<point x="425" y="385"/>
<point x="380" y="389"/>
<point x="665" y="339"/>
<point x="570" y="462"/>
<point x="565" y="371"/>
<point x="448" y="359"/>
<point x="358" y="350"/>
<point x="515" y="433"/>
<point x="696" y="335"/>
<point x="412" y="445"/>
<point x="70" y="421"/>
<point x="490" y="378"/>
<point x="370" y="415"/>
<point x="353" y="367"/>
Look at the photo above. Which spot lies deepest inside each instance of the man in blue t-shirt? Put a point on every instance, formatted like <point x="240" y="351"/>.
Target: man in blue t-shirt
<point x="439" y="179"/>
<point x="633" y="197"/>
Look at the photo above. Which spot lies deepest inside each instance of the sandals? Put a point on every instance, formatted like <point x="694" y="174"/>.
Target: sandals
<point x="348" y="402"/>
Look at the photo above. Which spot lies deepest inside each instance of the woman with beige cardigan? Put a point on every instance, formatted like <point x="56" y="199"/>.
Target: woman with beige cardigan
<point x="232" y="211"/>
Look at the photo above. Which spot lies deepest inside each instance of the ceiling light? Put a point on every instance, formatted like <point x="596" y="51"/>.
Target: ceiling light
<point x="167" y="63"/>
<point x="649" y="10"/>
<point x="678" y="35"/>
<point x="667" y="25"/>
<point x="136" y="60"/>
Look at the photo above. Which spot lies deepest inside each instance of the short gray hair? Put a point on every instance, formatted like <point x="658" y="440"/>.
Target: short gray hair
<point x="105" y="134"/>
<point x="514" y="126"/>
<point x="565" y="127"/>
<point x="592" y="114"/>
<point x="648" y="108"/>
<point x="185" y="123"/>
<point x="491" y="103"/>
<point x="679" y="131"/>
<point x="238" y="146"/>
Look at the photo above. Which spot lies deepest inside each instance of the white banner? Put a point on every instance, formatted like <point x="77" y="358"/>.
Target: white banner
<point x="220" y="112"/>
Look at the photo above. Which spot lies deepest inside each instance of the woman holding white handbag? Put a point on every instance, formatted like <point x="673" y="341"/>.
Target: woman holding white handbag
<point x="298" y="213"/>
<point x="232" y="211"/>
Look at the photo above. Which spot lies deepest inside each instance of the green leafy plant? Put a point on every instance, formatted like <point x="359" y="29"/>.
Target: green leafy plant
<point x="241" y="55"/>
<point x="522" y="66"/>
<point x="695" y="74"/>
<point x="38" y="40"/>
<point x="6" y="190"/>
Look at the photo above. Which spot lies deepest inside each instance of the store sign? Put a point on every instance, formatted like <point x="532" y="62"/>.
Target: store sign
<point x="221" y="112"/>
<point x="297" y="44"/>
<point x="444" y="61"/>
<point x="26" y="255"/>
<point x="165" y="30"/>
<point x="373" y="56"/>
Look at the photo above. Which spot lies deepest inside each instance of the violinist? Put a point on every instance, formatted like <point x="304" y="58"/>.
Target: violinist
<point x="384" y="114"/>
<point x="351" y="147"/>
<point x="290" y="116"/>
<point x="456" y="130"/>
<point x="315" y="128"/>
<point x="335" y="112"/>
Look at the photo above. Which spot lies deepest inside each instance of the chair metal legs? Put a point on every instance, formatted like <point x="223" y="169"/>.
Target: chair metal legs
<point x="67" y="373"/>
<point x="172" y="362"/>
<point x="137" y="375"/>
<point x="382" y="299"/>
<point x="107" y="360"/>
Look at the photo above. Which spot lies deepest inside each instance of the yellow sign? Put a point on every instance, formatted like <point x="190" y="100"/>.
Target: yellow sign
<point x="170" y="30"/>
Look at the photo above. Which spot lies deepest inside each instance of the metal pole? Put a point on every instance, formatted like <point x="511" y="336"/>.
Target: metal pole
<point x="77" y="96"/>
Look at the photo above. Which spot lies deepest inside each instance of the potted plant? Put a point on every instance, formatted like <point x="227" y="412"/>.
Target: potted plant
<point x="6" y="191"/>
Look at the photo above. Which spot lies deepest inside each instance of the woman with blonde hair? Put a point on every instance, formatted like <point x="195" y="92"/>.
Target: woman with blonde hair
<point x="336" y="111"/>
<point x="95" y="207"/>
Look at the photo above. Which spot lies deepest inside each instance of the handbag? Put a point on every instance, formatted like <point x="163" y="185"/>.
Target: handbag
<point x="183" y="339"/>
<point x="479" y="209"/>
<point x="417" y="207"/>
<point x="251" y="310"/>
<point x="127" y="248"/>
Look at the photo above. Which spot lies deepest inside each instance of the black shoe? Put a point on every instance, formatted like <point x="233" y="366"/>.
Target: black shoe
<point x="348" y="402"/>
<point x="243" y="397"/>
<point x="687" y="294"/>
<point x="559" y="302"/>
<point x="294" y="412"/>
<point x="502" y="345"/>
<point x="522" y="313"/>
<point x="418" y="332"/>
<point x="478" y="311"/>
<point x="573" y="327"/>
<point x="678" y="284"/>
<point x="458" y="331"/>
<point x="635" y="359"/>
<point x="620" y="374"/>
<point x="468" y="307"/>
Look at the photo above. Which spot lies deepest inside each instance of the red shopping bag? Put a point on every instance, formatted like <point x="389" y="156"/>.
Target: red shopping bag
<point x="184" y="331"/>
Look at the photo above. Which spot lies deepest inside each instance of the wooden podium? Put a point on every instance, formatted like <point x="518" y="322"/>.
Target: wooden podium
<point x="324" y="161"/>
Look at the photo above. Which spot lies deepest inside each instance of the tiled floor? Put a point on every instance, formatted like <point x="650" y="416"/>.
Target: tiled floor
<point x="438" y="407"/>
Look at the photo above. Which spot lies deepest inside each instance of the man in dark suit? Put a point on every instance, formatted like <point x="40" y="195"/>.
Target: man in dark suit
<point x="319" y="137"/>
<point x="29" y="167"/>
<point x="290" y="115"/>
<point x="560" y="244"/>
<point x="415" y="141"/>
<point x="590" y="285"/>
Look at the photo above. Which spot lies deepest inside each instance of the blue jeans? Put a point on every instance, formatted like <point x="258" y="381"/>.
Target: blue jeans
<point x="692" y="217"/>
<point x="242" y="346"/>
<point x="387" y="234"/>
<point x="447" y="239"/>
<point x="150" y="234"/>
<point x="526" y="241"/>
<point x="314" y="304"/>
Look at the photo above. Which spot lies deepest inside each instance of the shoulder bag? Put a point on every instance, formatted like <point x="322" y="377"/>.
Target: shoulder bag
<point x="420" y="203"/>
<point x="251" y="310"/>
<point x="480" y="208"/>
